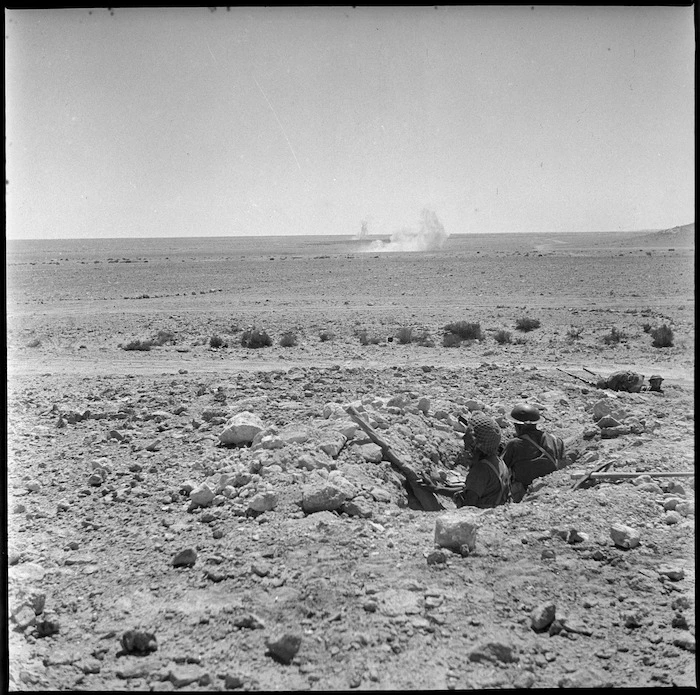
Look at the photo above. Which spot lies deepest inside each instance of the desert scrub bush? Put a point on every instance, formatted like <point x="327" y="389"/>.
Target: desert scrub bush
<point x="325" y="336"/>
<point x="465" y="330"/>
<point x="405" y="335"/>
<point x="503" y="336"/>
<point x="216" y="341"/>
<point x="663" y="337"/>
<point x="574" y="332"/>
<point x="141" y="345"/>
<point x="366" y="339"/>
<point x="451" y="340"/>
<point x="614" y="337"/>
<point x="163" y="337"/>
<point x="254" y="338"/>
<point x="288" y="339"/>
<point x="525" y="324"/>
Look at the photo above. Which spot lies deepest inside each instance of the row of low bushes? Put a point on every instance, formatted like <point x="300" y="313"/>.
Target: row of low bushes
<point x="454" y="335"/>
<point x="163" y="337"/>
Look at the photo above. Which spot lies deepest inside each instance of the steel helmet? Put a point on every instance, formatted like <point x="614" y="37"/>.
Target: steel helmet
<point x="525" y="414"/>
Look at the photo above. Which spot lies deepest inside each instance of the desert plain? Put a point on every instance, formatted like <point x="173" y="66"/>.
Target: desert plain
<point x="143" y="553"/>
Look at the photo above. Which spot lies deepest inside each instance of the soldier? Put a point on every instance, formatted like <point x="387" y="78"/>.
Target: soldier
<point x="623" y="380"/>
<point x="532" y="453"/>
<point x="488" y="480"/>
<point x="654" y="384"/>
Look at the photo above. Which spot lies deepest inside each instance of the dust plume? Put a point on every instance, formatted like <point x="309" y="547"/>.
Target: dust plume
<point x="429" y="236"/>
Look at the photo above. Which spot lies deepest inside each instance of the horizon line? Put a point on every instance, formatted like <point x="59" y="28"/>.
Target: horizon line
<point x="349" y="237"/>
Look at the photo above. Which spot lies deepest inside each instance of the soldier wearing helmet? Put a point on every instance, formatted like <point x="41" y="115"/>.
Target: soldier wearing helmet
<point x="654" y="383"/>
<point x="488" y="480"/>
<point x="532" y="453"/>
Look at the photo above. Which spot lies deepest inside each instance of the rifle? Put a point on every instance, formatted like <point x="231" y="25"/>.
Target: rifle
<point x="580" y="378"/>
<point x="426" y="498"/>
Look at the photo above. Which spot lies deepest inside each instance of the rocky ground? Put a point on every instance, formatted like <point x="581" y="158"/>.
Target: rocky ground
<point x="211" y="519"/>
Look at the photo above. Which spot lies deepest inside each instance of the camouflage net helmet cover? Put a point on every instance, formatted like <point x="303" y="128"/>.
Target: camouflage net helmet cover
<point x="487" y="433"/>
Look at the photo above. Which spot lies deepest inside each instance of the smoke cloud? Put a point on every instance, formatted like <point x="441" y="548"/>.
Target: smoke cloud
<point x="429" y="236"/>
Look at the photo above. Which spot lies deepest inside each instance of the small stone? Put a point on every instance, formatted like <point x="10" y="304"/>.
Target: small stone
<point x="436" y="557"/>
<point x="260" y="568"/>
<point x="132" y="670"/>
<point x="672" y="518"/>
<point x="685" y="641"/>
<point x="181" y="675"/>
<point x="359" y="507"/>
<point x="24" y="617"/>
<point x="675" y="574"/>
<point x="542" y="616"/>
<point x="95" y="479"/>
<point x="284" y="647"/>
<point x="90" y="665"/>
<point x="138" y="642"/>
<point x="233" y="681"/>
<point x="570" y="535"/>
<point x="249" y="620"/>
<point x="185" y="558"/>
<point x="680" y="622"/>
<point x="48" y="626"/>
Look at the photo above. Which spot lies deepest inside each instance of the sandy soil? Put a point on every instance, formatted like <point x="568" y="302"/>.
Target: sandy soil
<point x="108" y="448"/>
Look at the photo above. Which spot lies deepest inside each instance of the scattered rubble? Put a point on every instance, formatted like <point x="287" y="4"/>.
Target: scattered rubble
<point x="263" y="527"/>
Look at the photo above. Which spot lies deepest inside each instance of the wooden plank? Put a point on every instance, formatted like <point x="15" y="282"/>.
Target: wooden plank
<point x="620" y="476"/>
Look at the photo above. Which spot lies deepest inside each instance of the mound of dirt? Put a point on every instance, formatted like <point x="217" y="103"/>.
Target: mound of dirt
<point x="146" y="554"/>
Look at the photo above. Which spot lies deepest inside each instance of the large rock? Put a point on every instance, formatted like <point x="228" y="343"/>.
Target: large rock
<point x="331" y="442"/>
<point x="494" y="650"/>
<point x="624" y="536"/>
<point x="313" y="460"/>
<point x="458" y="528"/>
<point x="263" y="502"/>
<point x="333" y="411"/>
<point x="201" y="496"/>
<point x="322" y="496"/>
<point x="606" y="406"/>
<point x="241" y="428"/>
<point x="370" y="452"/>
<point x="294" y="434"/>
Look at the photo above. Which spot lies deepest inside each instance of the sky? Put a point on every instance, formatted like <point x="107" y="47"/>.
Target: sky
<point x="168" y="122"/>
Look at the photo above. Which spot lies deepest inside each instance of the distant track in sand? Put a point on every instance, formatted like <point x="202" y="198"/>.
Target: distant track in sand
<point x="151" y="364"/>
